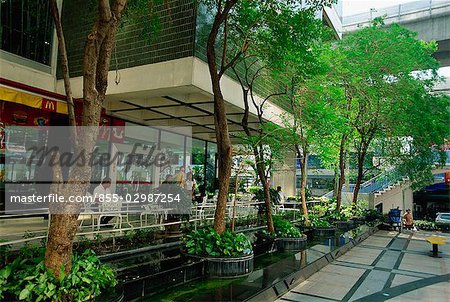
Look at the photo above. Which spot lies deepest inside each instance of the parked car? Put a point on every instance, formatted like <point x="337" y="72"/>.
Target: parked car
<point x="443" y="217"/>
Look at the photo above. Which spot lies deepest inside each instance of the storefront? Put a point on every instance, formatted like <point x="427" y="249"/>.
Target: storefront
<point x="33" y="108"/>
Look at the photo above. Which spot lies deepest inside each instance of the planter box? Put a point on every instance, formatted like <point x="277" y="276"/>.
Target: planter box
<point x="325" y="232"/>
<point x="111" y="295"/>
<point x="291" y="244"/>
<point x="229" y="267"/>
<point x="226" y="267"/>
<point x="358" y="220"/>
<point x="344" y="225"/>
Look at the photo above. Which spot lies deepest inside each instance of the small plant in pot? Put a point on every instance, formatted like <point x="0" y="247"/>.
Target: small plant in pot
<point x="228" y="254"/>
<point x="341" y="219"/>
<point x="288" y="237"/>
<point x="321" y="226"/>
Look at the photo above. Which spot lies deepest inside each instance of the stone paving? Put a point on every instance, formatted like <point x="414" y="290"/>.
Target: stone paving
<point x="387" y="266"/>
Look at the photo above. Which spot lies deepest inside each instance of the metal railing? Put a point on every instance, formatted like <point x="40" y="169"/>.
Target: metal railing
<point x="245" y="211"/>
<point x="375" y="184"/>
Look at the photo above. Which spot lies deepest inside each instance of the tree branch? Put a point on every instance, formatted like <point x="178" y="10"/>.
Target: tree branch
<point x="65" y="69"/>
<point x="234" y="59"/>
<point x="104" y="10"/>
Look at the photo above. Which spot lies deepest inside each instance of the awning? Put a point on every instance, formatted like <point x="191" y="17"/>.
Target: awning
<point x="32" y="100"/>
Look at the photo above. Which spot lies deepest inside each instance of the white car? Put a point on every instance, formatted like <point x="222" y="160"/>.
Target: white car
<point x="443" y="217"/>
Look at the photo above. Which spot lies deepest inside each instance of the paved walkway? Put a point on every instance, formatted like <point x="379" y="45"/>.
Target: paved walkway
<point x="386" y="266"/>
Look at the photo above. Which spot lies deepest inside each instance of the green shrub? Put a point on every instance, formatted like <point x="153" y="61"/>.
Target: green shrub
<point x="285" y="228"/>
<point x="253" y="189"/>
<point x="206" y="242"/>
<point x="338" y="216"/>
<point x="274" y="196"/>
<point x="318" y="222"/>
<point x="27" y="279"/>
<point x="425" y="225"/>
<point x="372" y="215"/>
<point x="442" y="226"/>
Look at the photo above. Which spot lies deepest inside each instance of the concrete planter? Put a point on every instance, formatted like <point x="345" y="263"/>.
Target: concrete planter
<point x="324" y="231"/>
<point x="227" y="267"/>
<point x="344" y="225"/>
<point x="111" y="295"/>
<point x="291" y="244"/>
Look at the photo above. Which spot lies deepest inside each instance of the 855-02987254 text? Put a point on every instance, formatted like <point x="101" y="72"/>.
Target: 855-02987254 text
<point x="130" y="198"/>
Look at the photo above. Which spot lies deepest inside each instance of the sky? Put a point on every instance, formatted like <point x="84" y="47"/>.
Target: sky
<point x="352" y="7"/>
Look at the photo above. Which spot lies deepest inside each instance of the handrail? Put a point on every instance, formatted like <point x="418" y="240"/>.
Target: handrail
<point x="376" y="183"/>
<point x="159" y="225"/>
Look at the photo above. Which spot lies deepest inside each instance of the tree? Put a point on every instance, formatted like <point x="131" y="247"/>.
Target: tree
<point x="96" y="61"/>
<point x="334" y="89"/>
<point x="283" y="28"/>
<point x="380" y="69"/>
<point x="292" y="53"/>
<point x="415" y="144"/>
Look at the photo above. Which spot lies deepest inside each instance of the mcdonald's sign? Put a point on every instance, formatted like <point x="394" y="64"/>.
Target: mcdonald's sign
<point x="48" y="105"/>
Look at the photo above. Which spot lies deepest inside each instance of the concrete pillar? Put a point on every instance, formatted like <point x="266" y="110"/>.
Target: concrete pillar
<point x="283" y="174"/>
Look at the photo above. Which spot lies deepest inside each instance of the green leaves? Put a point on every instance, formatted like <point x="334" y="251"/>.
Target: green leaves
<point x="206" y="242"/>
<point x="30" y="282"/>
<point x="285" y="228"/>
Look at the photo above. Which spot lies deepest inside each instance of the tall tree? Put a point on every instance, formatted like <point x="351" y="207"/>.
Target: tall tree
<point x="96" y="61"/>
<point x="222" y="9"/>
<point x="97" y="57"/>
<point x="292" y="54"/>
<point x="371" y="65"/>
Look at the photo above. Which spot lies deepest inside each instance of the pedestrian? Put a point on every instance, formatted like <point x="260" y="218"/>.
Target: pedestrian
<point x="181" y="177"/>
<point x="408" y="220"/>
<point x="102" y="193"/>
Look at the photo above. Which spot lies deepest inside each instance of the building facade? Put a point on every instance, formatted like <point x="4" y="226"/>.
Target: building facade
<point x="157" y="80"/>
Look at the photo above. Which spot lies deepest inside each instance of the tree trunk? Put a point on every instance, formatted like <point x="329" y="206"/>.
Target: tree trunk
<point x="262" y="177"/>
<point x="97" y="57"/>
<point x="341" y="169"/>
<point x="335" y="179"/>
<point x="224" y="148"/>
<point x="303" y="177"/>
<point x="64" y="64"/>
<point x="258" y="152"/>
<point x="64" y="217"/>
<point x="358" y="178"/>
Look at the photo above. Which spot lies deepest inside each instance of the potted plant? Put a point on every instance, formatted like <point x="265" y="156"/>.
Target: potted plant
<point x="227" y="255"/>
<point x="288" y="237"/>
<point x="321" y="227"/>
<point x="341" y="219"/>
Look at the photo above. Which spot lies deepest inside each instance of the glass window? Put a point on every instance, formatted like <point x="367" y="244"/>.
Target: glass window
<point x="138" y="144"/>
<point x="197" y="160"/>
<point x="211" y="173"/>
<point x="172" y="145"/>
<point x="27" y="29"/>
